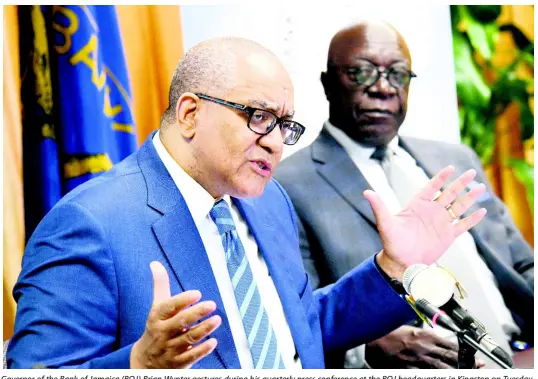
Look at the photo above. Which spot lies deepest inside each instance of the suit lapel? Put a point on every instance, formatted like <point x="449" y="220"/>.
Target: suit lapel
<point x="337" y="168"/>
<point x="182" y="244"/>
<point x="274" y="249"/>
<point x="429" y="162"/>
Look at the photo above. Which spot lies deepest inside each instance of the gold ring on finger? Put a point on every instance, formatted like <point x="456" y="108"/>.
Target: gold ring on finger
<point x="451" y="212"/>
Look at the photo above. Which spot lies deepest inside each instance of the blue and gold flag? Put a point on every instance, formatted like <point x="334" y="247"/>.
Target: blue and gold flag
<point x="77" y="107"/>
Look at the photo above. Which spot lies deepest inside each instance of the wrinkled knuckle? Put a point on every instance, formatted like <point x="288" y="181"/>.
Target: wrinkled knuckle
<point x="153" y="331"/>
<point x="168" y="309"/>
<point x="417" y="333"/>
<point x="190" y="339"/>
<point x="153" y="314"/>
<point x="453" y="192"/>
<point x="159" y="330"/>
<point x="181" y="324"/>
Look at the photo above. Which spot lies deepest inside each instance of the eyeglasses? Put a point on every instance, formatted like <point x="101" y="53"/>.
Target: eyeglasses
<point x="263" y="122"/>
<point x="367" y="74"/>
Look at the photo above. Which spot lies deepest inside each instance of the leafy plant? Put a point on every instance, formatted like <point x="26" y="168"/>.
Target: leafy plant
<point x="485" y="91"/>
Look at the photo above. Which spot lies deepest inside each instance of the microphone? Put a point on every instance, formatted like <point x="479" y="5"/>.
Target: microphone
<point x="436" y="315"/>
<point x="433" y="287"/>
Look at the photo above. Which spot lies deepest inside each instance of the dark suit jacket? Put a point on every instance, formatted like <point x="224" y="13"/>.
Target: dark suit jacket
<point x="85" y="289"/>
<point x="338" y="231"/>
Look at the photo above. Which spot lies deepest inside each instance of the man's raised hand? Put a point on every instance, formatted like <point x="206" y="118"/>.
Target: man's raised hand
<point x="170" y="340"/>
<point x="426" y="228"/>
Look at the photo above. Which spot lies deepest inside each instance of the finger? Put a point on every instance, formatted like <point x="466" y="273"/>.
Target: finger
<point x="161" y="283"/>
<point x="446" y="343"/>
<point x="381" y="213"/>
<point x="183" y="319"/>
<point x="446" y="355"/>
<point x="435" y="363"/>
<point x="468" y="222"/>
<point x="456" y="188"/>
<point x="196" y="333"/>
<point x="408" y="356"/>
<point x="168" y="308"/>
<point x="436" y="183"/>
<point x="191" y="356"/>
<point x="460" y="206"/>
<point x="441" y="342"/>
<point x="479" y="363"/>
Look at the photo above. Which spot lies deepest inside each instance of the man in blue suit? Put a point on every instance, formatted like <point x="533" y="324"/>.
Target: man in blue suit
<point x="367" y="83"/>
<point x="197" y="205"/>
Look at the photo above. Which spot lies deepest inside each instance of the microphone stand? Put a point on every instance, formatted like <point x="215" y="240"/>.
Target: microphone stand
<point x="466" y="353"/>
<point x="469" y="347"/>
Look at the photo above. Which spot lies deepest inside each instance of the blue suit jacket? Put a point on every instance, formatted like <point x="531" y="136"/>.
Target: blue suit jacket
<point x="85" y="289"/>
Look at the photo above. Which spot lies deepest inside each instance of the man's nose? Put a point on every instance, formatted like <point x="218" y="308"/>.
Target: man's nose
<point x="272" y="142"/>
<point x="382" y="87"/>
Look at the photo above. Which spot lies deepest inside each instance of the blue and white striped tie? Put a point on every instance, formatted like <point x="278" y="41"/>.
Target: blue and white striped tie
<point x="260" y="335"/>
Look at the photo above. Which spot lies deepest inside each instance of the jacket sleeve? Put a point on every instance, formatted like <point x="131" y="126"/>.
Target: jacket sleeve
<point x="67" y="296"/>
<point x="360" y="307"/>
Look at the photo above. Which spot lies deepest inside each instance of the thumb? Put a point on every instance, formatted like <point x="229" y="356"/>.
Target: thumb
<point x="381" y="212"/>
<point x="161" y="282"/>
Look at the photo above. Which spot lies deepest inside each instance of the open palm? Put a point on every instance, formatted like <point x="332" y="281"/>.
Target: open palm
<point x="424" y="229"/>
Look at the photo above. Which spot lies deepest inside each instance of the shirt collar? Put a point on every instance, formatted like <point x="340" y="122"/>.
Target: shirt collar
<point x="198" y="200"/>
<point x="353" y="147"/>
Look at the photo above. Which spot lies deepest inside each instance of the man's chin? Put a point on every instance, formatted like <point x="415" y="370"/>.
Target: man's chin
<point x="374" y="134"/>
<point x="252" y="190"/>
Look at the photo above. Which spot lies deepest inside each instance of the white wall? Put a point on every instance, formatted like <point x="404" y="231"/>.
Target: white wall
<point x="300" y="34"/>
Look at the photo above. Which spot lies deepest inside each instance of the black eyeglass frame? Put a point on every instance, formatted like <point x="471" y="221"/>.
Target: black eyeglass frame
<point x="250" y="112"/>
<point x="352" y="71"/>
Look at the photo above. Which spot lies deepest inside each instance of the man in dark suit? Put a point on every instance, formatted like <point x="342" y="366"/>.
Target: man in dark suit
<point x="366" y="84"/>
<point x="198" y="206"/>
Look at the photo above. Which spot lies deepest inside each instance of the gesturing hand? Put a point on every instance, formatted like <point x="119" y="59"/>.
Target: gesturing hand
<point x="169" y="341"/>
<point x="412" y="346"/>
<point x="425" y="229"/>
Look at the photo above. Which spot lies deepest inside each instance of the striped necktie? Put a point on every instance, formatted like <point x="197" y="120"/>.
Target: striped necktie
<point x="260" y="335"/>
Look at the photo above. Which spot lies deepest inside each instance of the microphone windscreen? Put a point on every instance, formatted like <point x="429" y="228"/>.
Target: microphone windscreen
<point x="410" y="274"/>
<point x="432" y="283"/>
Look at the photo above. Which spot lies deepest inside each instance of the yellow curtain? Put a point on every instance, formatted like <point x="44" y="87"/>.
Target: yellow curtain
<point x="153" y="46"/>
<point x="12" y="165"/>
<point x="509" y="144"/>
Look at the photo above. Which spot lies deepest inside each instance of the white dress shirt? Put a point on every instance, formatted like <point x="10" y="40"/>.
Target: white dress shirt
<point x="200" y="203"/>
<point x="376" y="177"/>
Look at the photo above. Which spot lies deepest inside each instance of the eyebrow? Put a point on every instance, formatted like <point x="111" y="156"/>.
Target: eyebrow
<point x="392" y="63"/>
<point x="262" y="104"/>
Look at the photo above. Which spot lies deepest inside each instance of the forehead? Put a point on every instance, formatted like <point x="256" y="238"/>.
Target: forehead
<point x="262" y="82"/>
<point x="383" y="47"/>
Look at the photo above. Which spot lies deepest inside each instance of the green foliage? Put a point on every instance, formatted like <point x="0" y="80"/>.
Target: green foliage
<point x="525" y="174"/>
<point x="482" y="101"/>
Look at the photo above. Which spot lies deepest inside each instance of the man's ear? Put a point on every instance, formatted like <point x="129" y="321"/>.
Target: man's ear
<point x="186" y="107"/>
<point x="326" y="82"/>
